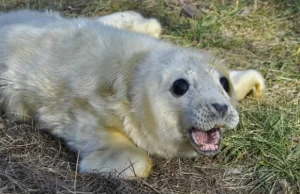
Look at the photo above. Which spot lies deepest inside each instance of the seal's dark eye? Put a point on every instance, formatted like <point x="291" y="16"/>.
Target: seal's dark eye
<point x="180" y="87"/>
<point x="225" y="83"/>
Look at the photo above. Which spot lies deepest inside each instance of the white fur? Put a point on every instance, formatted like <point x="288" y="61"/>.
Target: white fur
<point x="105" y="91"/>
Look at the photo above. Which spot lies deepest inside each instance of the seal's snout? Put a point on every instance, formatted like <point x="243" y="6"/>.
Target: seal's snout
<point x="220" y="109"/>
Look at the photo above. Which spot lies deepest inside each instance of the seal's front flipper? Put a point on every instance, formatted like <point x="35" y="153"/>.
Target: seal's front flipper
<point x="118" y="157"/>
<point x="247" y="82"/>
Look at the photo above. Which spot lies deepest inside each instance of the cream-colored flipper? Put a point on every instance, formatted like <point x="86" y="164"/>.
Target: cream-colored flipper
<point x="247" y="82"/>
<point x="132" y="21"/>
<point x="120" y="157"/>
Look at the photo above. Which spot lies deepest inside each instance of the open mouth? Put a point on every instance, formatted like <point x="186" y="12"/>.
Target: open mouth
<point x="206" y="142"/>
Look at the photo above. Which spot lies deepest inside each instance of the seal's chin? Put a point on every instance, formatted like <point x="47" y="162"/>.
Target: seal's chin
<point x="205" y="142"/>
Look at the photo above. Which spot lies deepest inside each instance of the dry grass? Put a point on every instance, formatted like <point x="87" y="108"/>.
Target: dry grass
<point x="32" y="161"/>
<point x="261" y="156"/>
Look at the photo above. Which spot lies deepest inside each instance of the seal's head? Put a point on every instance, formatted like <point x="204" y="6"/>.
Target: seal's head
<point x="183" y="100"/>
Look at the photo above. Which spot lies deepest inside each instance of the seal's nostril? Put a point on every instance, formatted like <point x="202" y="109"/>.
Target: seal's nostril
<point x="221" y="108"/>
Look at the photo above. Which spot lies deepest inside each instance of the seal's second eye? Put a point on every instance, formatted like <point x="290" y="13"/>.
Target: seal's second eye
<point x="225" y="83"/>
<point x="180" y="87"/>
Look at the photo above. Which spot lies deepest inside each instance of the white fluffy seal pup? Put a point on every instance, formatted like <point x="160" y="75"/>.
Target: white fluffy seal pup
<point x="116" y="96"/>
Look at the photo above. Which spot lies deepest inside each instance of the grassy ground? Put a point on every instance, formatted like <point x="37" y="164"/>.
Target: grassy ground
<point x="261" y="156"/>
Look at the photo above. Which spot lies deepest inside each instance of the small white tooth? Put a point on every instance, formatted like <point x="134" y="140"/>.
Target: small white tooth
<point x="215" y="141"/>
<point x="194" y="137"/>
<point x="206" y="147"/>
<point x="202" y="147"/>
<point x="209" y="146"/>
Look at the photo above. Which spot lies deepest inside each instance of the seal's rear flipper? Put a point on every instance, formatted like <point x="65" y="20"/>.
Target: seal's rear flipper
<point x="132" y="21"/>
<point x="247" y="82"/>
